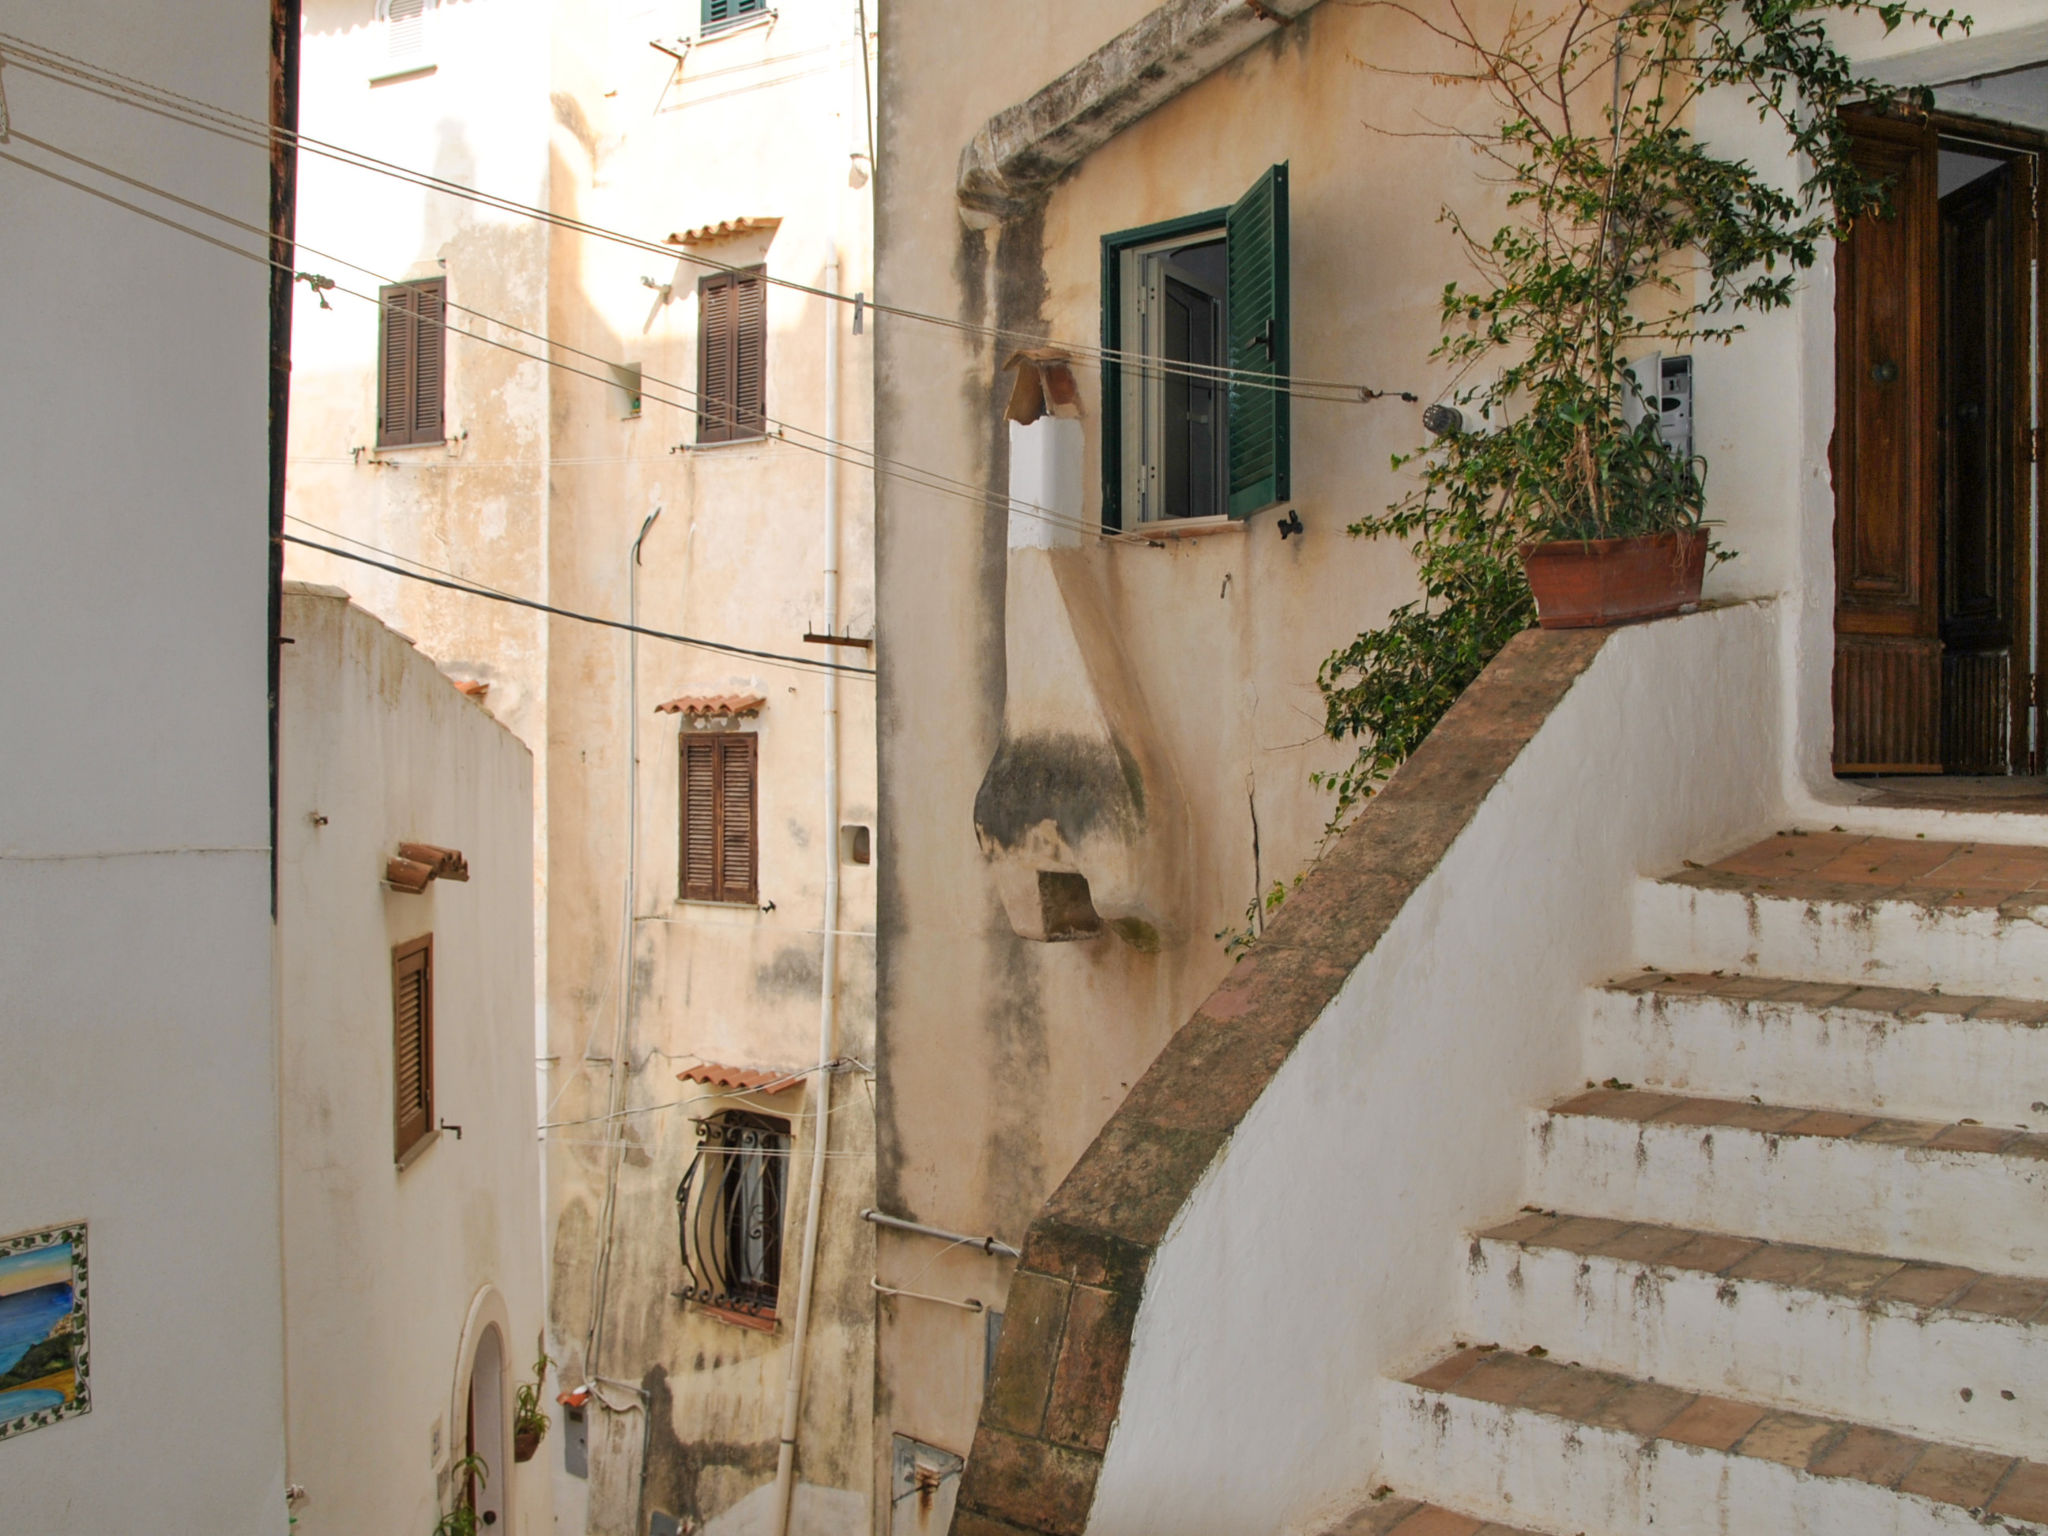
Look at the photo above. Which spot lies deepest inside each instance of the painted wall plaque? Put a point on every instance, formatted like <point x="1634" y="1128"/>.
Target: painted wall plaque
<point x="43" y="1361"/>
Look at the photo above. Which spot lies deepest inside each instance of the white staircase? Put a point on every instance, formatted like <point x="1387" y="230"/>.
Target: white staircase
<point x="1784" y="1272"/>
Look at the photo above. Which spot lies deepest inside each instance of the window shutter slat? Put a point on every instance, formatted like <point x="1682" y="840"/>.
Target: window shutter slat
<point x="412" y="1043"/>
<point x="700" y="818"/>
<point x="715" y="414"/>
<point x="736" y="818"/>
<point x="394" y="391"/>
<point x="430" y="305"/>
<point x="1260" y="421"/>
<point x="750" y="356"/>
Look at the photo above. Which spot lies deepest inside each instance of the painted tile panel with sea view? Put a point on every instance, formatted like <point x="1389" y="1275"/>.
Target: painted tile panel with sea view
<point x="43" y="1366"/>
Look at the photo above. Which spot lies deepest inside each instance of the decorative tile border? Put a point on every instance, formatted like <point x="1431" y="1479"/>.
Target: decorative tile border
<point x="16" y="1252"/>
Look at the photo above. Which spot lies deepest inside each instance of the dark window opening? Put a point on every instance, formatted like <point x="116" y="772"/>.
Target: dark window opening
<point x="729" y="1209"/>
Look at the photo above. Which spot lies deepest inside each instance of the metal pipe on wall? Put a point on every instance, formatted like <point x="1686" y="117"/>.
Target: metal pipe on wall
<point x="828" y="986"/>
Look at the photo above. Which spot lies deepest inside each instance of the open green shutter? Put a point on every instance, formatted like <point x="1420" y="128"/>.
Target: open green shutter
<point x="1259" y="422"/>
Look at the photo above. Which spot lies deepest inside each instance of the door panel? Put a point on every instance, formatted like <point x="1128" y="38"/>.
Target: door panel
<point x="1887" y="618"/>
<point x="1980" y="327"/>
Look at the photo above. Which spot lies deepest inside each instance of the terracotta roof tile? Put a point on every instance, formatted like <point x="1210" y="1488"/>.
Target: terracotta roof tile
<point x="723" y="705"/>
<point x="713" y="1075"/>
<point x="724" y="229"/>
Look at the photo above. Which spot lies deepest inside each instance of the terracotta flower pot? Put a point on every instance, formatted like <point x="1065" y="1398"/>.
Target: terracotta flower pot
<point x="524" y="1443"/>
<point x="1591" y="583"/>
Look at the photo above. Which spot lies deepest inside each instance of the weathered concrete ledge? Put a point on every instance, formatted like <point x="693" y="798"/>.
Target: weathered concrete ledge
<point x="1020" y="152"/>
<point x="1067" y="1332"/>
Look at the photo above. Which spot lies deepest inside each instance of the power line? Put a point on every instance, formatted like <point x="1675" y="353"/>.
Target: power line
<point x="491" y="595"/>
<point x="82" y="74"/>
<point x="873" y="463"/>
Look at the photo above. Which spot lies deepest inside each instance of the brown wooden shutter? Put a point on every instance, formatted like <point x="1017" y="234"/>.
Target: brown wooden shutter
<point x="429" y="370"/>
<point x="394" y="391"/>
<point x="715" y="416"/>
<point x="750" y="355"/>
<point x="736" y="861"/>
<point x="412" y="1043"/>
<point x="700" y="818"/>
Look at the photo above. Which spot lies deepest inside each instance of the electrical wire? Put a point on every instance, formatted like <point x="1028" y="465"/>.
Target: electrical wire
<point x="930" y="480"/>
<point x="82" y="74"/>
<point x="774" y="658"/>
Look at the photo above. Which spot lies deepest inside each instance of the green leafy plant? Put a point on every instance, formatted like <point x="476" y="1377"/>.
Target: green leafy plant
<point x="528" y="1417"/>
<point x="1624" y="234"/>
<point x="469" y="1474"/>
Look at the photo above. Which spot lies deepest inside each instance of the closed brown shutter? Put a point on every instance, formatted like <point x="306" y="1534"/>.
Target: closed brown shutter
<point x="750" y="355"/>
<point x="719" y="840"/>
<point x="700" y="818"/>
<point x="412" y="1043"/>
<point x="736" y="817"/>
<point x="413" y="363"/>
<point x="732" y="356"/>
<point x="430" y="345"/>
<point x="394" y="393"/>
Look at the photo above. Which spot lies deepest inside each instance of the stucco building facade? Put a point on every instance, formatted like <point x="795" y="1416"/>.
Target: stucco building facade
<point x="685" y="1009"/>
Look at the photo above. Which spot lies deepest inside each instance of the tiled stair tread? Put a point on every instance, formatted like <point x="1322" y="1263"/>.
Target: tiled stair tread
<point x="1670" y="1110"/>
<point x="1925" y="1288"/>
<point x="1392" y="1515"/>
<point x="1844" y="866"/>
<point x="1893" y="1002"/>
<point x="1948" y="1474"/>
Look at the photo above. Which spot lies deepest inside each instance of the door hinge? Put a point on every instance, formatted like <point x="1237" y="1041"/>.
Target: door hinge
<point x="2033" y="445"/>
<point x="2033" y="690"/>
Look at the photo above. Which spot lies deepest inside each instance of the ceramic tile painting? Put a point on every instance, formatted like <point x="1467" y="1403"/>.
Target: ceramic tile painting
<point x="42" y="1328"/>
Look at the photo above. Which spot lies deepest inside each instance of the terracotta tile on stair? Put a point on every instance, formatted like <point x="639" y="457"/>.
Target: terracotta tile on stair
<point x="1375" y="1519"/>
<point x="1711" y="1252"/>
<point x="2003" y="1296"/>
<point x="1714" y="1423"/>
<point x="1731" y="1112"/>
<point x="1620" y="1104"/>
<point x="1828" y="1122"/>
<point x="1885" y="861"/>
<point x="1449" y="1371"/>
<point x="1431" y="1521"/>
<point x="1643" y="1244"/>
<point x="1950" y="1474"/>
<point x="1853" y="1274"/>
<point x="1972" y="1138"/>
<point x="1882" y="999"/>
<point x="1899" y="1133"/>
<point x="1640" y="1407"/>
<point x="1526" y="1227"/>
<point x="1570" y="1394"/>
<point x="1780" y="1263"/>
<point x="1815" y="994"/>
<point x="1786" y="1438"/>
<point x="1502" y="1378"/>
<point x="2013" y="1010"/>
<point x="1925" y="1285"/>
<point x="1868" y="1455"/>
<point x="2024" y="1493"/>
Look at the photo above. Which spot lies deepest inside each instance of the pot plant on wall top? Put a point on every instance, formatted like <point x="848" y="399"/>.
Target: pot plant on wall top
<point x="1624" y="235"/>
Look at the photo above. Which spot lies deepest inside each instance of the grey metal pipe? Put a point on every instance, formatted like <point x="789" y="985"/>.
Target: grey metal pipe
<point x="992" y="1246"/>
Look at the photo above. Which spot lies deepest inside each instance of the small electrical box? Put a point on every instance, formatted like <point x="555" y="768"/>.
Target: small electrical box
<point x="1663" y="388"/>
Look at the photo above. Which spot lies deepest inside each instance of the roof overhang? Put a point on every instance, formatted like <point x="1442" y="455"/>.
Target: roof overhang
<point x="1012" y="163"/>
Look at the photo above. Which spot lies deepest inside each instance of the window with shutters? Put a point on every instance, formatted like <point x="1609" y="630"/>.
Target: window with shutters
<point x="412" y="362"/>
<point x="720" y="14"/>
<point x="732" y="356"/>
<point x="405" y="23"/>
<point x="412" y="1045"/>
<point x="1195" y="417"/>
<point x="719" y="845"/>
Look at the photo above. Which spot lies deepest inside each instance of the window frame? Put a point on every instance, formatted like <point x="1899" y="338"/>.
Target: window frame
<point x="748" y="420"/>
<point x="1114" y="246"/>
<point x="406" y="1147"/>
<point x="721" y="742"/>
<point x="389" y="308"/>
<point x="705" y="1238"/>
<point x="747" y="10"/>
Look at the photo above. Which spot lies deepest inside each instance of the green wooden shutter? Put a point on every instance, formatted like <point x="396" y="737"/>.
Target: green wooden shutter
<point x="718" y="12"/>
<point x="1259" y="417"/>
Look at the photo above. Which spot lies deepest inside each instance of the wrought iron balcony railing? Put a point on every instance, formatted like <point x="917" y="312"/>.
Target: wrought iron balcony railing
<point x="729" y="1214"/>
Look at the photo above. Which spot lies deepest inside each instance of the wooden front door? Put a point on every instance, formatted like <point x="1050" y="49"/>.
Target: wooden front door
<point x="1888" y="647"/>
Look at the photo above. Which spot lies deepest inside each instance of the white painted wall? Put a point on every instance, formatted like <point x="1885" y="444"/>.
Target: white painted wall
<point x="135" y="1004"/>
<point x="396" y="1278"/>
<point x="1324" y="1246"/>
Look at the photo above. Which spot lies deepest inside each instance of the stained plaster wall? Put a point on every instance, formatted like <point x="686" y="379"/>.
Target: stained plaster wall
<point x="1029" y="1046"/>
<point x="385" y="1267"/>
<point x="134" y="865"/>
<point x="544" y="498"/>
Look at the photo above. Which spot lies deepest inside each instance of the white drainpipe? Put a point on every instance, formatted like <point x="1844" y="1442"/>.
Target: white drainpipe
<point x="828" y="986"/>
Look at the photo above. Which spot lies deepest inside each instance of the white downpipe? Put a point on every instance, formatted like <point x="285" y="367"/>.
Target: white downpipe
<point x="601" y="1271"/>
<point x="828" y="986"/>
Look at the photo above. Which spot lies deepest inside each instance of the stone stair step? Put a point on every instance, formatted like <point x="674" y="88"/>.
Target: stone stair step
<point x="1831" y="907"/>
<point x="1949" y="1194"/>
<point x="1935" y="1350"/>
<point x="1903" y="1051"/>
<point x="1389" y="1514"/>
<point x="1572" y="1448"/>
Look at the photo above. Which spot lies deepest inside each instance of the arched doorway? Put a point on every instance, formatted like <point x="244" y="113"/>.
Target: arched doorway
<point x="485" y="1435"/>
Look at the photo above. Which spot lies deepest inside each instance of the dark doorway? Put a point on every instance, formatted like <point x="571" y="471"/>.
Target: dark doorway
<point x="1936" y="548"/>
